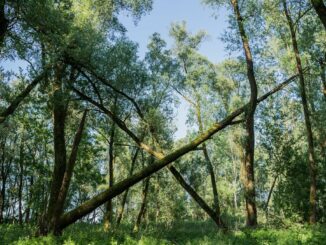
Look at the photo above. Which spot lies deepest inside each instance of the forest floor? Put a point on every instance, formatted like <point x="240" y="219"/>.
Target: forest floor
<point x="182" y="233"/>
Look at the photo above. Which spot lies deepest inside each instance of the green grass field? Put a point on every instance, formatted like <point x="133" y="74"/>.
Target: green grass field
<point x="184" y="233"/>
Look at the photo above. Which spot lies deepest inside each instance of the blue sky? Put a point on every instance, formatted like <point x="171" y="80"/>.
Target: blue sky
<point x="198" y="17"/>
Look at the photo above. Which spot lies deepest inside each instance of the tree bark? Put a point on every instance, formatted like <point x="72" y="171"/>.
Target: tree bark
<point x="311" y="153"/>
<point x="320" y="9"/>
<point x="248" y="163"/>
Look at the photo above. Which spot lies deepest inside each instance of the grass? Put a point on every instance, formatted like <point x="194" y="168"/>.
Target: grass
<point x="178" y="233"/>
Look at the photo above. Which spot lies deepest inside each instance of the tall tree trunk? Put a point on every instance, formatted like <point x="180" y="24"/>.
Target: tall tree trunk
<point x="30" y="200"/>
<point x="248" y="163"/>
<point x="108" y="217"/>
<point x="59" y="118"/>
<point x="20" y="183"/>
<point x="322" y="63"/>
<point x="320" y="9"/>
<point x="2" y="179"/>
<point x="2" y="193"/>
<point x="125" y="195"/>
<point x="143" y="205"/>
<point x="311" y="153"/>
<point x="6" y="162"/>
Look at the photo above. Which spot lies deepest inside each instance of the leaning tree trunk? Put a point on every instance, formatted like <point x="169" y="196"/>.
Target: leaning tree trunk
<point x="248" y="161"/>
<point x="311" y="153"/>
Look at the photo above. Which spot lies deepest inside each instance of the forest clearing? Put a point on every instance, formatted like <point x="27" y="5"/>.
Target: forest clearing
<point x="162" y="122"/>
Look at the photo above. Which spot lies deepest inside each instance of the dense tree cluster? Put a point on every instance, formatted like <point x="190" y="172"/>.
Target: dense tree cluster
<point x="86" y="126"/>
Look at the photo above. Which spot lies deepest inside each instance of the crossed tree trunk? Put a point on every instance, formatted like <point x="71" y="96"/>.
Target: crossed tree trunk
<point x="164" y="160"/>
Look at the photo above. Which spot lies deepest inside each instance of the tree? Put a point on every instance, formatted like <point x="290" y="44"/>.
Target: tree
<point x="311" y="151"/>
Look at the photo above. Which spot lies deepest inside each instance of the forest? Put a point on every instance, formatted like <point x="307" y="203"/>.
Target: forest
<point x="88" y="152"/>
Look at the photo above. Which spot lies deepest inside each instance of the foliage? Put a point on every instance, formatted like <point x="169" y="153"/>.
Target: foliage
<point x="177" y="233"/>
